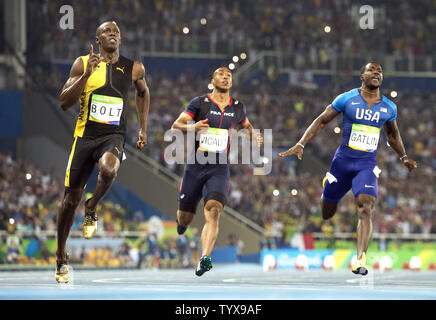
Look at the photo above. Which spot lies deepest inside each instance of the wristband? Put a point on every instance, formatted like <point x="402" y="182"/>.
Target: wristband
<point x="299" y="144"/>
<point x="401" y="158"/>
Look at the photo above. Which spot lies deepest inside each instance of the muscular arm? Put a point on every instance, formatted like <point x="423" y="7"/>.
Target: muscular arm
<point x="311" y="132"/>
<point x="318" y="124"/>
<point x="395" y="141"/>
<point x="78" y="76"/>
<point x="181" y="123"/>
<point x="142" y="94"/>
<point x="394" y="137"/>
<point x="142" y="100"/>
<point x="74" y="86"/>
<point x="248" y="126"/>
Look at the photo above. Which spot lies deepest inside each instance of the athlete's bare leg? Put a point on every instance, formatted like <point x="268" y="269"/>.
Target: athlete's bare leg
<point x="365" y="206"/>
<point x="328" y="209"/>
<point x="65" y="218"/>
<point x="212" y="212"/>
<point x="108" y="166"/>
<point x="184" y="217"/>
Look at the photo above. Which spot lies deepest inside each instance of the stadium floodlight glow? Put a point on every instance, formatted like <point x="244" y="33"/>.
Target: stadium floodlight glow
<point x="235" y="59"/>
<point x="11" y="221"/>
<point x="203" y="21"/>
<point x="28" y="176"/>
<point x="394" y="94"/>
<point x="337" y="130"/>
<point x="243" y="56"/>
<point x="185" y="30"/>
<point x="294" y="192"/>
<point x="327" y="29"/>
<point x="276" y="192"/>
<point x="231" y="66"/>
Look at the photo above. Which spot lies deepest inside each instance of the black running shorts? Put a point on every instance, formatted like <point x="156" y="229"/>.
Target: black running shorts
<point x="86" y="152"/>
<point x="209" y="181"/>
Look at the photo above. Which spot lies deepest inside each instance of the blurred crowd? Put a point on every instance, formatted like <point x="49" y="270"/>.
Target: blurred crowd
<point x="295" y="27"/>
<point x="144" y="253"/>
<point x="28" y="196"/>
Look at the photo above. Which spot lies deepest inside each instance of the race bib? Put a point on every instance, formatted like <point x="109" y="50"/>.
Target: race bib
<point x="364" y="138"/>
<point x="106" y="109"/>
<point x="214" y="140"/>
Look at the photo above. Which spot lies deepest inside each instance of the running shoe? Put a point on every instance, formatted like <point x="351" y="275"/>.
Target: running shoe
<point x="359" y="266"/>
<point x="89" y="223"/>
<point x="204" y="265"/>
<point x="62" y="271"/>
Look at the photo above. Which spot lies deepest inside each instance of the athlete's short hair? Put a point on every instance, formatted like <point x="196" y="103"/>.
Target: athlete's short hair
<point x="362" y="70"/>
<point x="98" y="30"/>
<point x="213" y="74"/>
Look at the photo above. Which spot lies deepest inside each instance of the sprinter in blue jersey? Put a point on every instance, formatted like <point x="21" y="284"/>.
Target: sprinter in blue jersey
<point x="365" y="112"/>
<point x="216" y="115"/>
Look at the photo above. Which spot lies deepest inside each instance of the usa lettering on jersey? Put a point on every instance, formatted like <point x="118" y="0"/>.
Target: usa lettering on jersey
<point x="367" y="114"/>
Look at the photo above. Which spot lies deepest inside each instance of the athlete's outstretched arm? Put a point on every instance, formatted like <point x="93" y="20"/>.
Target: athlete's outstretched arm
<point x="76" y="82"/>
<point x="395" y="141"/>
<point x="248" y="126"/>
<point x="142" y="102"/>
<point x="311" y="132"/>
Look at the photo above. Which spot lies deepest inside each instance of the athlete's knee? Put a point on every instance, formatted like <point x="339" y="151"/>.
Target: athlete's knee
<point x="365" y="207"/>
<point x="213" y="209"/>
<point x="108" y="173"/>
<point x="108" y="166"/>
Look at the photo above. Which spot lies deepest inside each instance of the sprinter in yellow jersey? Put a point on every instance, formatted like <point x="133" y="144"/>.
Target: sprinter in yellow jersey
<point x="100" y="81"/>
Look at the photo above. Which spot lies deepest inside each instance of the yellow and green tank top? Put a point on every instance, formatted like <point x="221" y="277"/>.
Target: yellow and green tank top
<point x="103" y="102"/>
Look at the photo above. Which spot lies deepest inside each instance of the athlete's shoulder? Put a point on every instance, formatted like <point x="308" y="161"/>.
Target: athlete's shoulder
<point x="236" y="101"/>
<point x="196" y="101"/>
<point x="131" y="63"/>
<point x="339" y="103"/>
<point x="393" y="106"/>
<point x="79" y="66"/>
<point x="121" y="57"/>
<point x="84" y="57"/>
<point x="389" y="102"/>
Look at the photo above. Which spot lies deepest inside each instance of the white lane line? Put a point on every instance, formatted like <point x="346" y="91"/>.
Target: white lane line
<point x="106" y="280"/>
